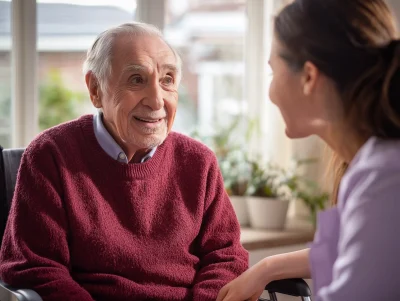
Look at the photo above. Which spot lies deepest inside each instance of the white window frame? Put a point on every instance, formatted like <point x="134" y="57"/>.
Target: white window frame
<point x="254" y="65"/>
<point x="24" y="57"/>
<point x="24" y="90"/>
<point x="152" y="12"/>
<point x="24" y="61"/>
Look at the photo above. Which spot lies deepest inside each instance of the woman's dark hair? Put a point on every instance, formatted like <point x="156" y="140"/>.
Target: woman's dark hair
<point x="355" y="43"/>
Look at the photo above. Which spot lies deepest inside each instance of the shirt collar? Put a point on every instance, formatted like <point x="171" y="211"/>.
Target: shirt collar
<point x="109" y="145"/>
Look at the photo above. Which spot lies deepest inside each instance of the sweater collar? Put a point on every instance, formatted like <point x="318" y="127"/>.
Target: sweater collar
<point x="128" y="171"/>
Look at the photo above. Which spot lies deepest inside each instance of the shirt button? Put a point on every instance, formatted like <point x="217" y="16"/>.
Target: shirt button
<point x="122" y="156"/>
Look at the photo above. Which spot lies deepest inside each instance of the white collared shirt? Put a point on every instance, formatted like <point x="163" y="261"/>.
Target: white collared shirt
<point x="109" y="145"/>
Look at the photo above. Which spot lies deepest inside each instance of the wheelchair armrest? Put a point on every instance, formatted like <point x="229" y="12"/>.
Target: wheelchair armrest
<point x="9" y="293"/>
<point x="292" y="287"/>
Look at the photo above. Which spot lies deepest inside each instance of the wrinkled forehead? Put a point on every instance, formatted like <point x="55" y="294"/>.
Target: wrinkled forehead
<point x="150" y="51"/>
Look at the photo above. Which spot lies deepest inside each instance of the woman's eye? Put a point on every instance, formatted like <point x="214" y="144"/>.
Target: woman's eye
<point x="137" y="80"/>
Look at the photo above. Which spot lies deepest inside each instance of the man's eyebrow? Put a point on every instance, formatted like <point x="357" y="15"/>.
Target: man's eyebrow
<point x="170" y="67"/>
<point x="135" y="67"/>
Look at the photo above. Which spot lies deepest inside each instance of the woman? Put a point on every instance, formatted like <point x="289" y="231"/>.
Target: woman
<point x="336" y="66"/>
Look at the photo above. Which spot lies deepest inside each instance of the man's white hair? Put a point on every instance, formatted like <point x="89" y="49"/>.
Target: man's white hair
<point x="98" y="58"/>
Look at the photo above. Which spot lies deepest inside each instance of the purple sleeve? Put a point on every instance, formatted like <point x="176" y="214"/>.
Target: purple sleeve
<point x="367" y="265"/>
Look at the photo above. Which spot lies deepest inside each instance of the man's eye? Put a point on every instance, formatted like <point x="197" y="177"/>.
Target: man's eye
<point x="137" y="80"/>
<point x="168" y="80"/>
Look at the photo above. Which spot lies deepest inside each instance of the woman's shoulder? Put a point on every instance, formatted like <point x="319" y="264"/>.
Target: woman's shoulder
<point x="377" y="153"/>
<point x="373" y="175"/>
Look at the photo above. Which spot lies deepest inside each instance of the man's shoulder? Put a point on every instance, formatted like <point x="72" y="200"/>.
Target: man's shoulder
<point x="187" y="147"/>
<point x="59" y="137"/>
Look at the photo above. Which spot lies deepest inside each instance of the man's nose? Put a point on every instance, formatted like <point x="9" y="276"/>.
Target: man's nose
<point x="154" y="96"/>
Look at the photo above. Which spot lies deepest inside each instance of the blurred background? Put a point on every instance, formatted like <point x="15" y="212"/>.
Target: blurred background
<point x="224" y="45"/>
<point x="223" y="98"/>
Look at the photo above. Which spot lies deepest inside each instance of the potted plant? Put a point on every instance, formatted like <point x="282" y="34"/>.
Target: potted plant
<point x="236" y="173"/>
<point x="306" y="190"/>
<point x="267" y="206"/>
<point x="227" y="143"/>
<point x="315" y="202"/>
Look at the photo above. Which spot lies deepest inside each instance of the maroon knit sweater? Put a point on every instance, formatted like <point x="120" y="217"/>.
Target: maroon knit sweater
<point x="86" y="227"/>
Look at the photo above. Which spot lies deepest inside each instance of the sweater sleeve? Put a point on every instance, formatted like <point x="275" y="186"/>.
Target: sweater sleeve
<point x="35" y="253"/>
<point x="222" y="257"/>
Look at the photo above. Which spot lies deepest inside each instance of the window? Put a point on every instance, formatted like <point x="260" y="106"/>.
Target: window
<point x="66" y="30"/>
<point x="5" y="73"/>
<point x="209" y="35"/>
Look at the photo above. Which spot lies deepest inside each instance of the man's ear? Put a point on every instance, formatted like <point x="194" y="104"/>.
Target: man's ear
<point x="309" y="77"/>
<point x="94" y="89"/>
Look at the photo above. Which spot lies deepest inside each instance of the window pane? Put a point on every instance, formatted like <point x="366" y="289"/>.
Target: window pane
<point x="209" y="35"/>
<point x="5" y="73"/>
<point x="66" y="30"/>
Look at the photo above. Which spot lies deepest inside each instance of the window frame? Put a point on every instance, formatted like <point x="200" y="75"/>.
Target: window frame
<point x="25" y="88"/>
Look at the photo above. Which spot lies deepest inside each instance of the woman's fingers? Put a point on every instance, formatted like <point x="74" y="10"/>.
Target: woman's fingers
<point x="255" y="297"/>
<point x="222" y="294"/>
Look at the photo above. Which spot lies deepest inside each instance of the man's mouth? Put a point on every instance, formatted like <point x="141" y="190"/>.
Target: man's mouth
<point x="149" y="120"/>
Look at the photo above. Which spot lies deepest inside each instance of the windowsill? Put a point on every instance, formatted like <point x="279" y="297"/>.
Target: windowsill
<point x="296" y="232"/>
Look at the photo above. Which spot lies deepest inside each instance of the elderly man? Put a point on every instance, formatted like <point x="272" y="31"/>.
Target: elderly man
<point x="115" y="206"/>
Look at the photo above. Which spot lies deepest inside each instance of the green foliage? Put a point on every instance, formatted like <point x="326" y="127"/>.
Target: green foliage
<point x="5" y="113"/>
<point x="236" y="171"/>
<point x="264" y="181"/>
<point x="306" y="190"/>
<point x="243" y="176"/>
<point x="5" y="107"/>
<point x="57" y="103"/>
<point x="5" y="100"/>
<point x="228" y="145"/>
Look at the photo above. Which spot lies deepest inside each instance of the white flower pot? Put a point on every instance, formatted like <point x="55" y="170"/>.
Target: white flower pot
<point x="297" y="209"/>
<point x="267" y="213"/>
<point x="239" y="204"/>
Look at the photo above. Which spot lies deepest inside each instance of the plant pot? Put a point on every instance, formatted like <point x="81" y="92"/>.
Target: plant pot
<point x="297" y="209"/>
<point x="239" y="204"/>
<point x="267" y="213"/>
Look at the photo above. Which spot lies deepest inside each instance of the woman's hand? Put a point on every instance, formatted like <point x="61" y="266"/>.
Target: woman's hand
<point x="251" y="284"/>
<point x="248" y="286"/>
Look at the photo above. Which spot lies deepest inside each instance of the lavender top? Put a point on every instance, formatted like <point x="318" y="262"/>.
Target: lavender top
<point x="356" y="252"/>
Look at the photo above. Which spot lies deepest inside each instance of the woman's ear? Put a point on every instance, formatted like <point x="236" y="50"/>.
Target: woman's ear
<point x="93" y="88"/>
<point x="309" y="78"/>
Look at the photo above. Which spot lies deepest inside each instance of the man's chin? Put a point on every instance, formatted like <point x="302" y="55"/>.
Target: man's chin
<point x="149" y="141"/>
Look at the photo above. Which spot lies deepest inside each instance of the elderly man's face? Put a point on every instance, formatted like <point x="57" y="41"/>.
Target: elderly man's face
<point x="140" y="106"/>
